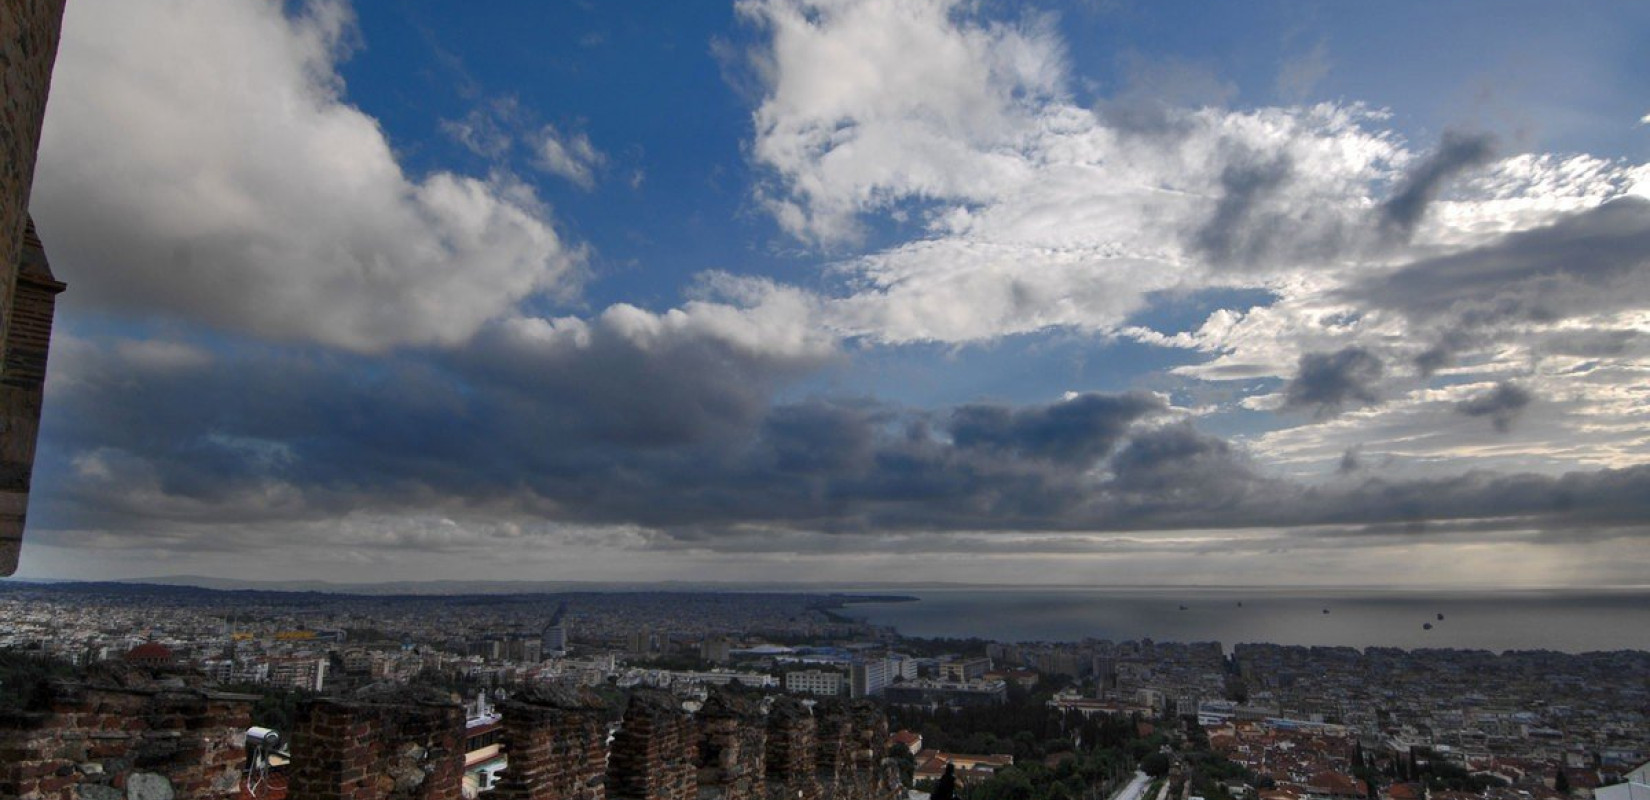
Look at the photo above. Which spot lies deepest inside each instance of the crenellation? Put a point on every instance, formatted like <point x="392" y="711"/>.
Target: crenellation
<point x="393" y="744"/>
<point x="556" y="738"/>
<point x="792" y="745"/>
<point x="732" y="752"/>
<point x="653" y="753"/>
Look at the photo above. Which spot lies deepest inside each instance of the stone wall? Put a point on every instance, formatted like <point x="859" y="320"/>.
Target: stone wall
<point x="653" y="755"/>
<point x="394" y="745"/>
<point x="556" y="738"/>
<point x="125" y="739"/>
<point x="793" y="742"/>
<point x="732" y="757"/>
<point x="27" y="340"/>
<point x="29" y="31"/>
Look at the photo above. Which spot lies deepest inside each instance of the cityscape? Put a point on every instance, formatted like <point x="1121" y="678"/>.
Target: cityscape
<point x="1009" y="719"/>
<point x="824" y="400"/>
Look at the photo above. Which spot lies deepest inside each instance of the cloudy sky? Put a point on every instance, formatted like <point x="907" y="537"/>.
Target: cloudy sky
<point x="1091" y="292"/>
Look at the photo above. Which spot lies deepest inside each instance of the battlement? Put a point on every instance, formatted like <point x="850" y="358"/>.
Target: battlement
<point x="121" y="736"/>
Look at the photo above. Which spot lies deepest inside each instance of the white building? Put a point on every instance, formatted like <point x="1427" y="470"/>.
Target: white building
<point x="869" y="677"/>
<point x="1636" y="786"/>
<point x="825" y="683"/>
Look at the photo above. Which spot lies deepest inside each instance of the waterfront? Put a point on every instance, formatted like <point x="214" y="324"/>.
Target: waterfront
<point x="1564" y="620"/>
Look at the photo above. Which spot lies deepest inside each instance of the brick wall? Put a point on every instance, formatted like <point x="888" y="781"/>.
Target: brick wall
<point x="126" y="737"/>
<point x="793" y="742"/>
<point x="392" y="745"/>
<point x="653" y="756"/>
<point x="29" y="31"/>
<point x="732" y="757"/>
<point x="23" y="354"/>
<point x="103" y="740"/>
<point x="557" y="743"/>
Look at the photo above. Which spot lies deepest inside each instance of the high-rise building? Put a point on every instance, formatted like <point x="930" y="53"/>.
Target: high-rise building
<point x="639" y="642"/>
<point x="716" y="650"/>
<point x="869" y="676"/>
<point x="554" y="640"/>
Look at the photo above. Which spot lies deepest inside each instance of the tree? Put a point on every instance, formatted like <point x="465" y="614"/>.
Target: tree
<point x="1561" y="782"/>
<point x="1155" y="765"/>
<point x="946" y="787"/>
<point x="902" y="758"/>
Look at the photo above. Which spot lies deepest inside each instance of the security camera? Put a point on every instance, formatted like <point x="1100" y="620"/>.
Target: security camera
<point x="266" y="738"/>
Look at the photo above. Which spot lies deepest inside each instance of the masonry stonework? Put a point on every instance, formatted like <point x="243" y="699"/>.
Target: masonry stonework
<point x="653" y="751"/>
<point x="556" y="738"/>
<point x="792" y="744"/>
<point x="732" y="757"/>
<point x="29" y="31"/>
<point x="120" y="735"/>
<point x="388" y="745"/>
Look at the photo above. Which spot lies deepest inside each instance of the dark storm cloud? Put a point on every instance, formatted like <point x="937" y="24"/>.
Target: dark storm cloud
<point x="1457" y="153"/>
<point x="284" y="436"/>
<point x="1591" y="262"/>
<point x="1327" y="382"/>
<point x="1076" y="432"/>
<point x="1501" y="405"/>
<point x="1234" y="233"/>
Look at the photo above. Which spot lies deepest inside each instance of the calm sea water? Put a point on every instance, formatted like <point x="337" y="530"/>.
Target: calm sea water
<point x="1571" y="621"/>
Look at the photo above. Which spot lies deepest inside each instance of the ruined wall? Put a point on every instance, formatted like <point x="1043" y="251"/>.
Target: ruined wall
<point x="556" y="738"/>
<point x="850" y="760"/>
<point x="732" y="757"/>
<point x="114" y="742"/>
<point x="653" y="752"/>
<point x="395" y="745"/>
<point x="792" y="744"/>
<point x="138" y="740"/>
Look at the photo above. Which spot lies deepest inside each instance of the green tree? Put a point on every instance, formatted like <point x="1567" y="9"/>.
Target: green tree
<point x="946" y="787"/>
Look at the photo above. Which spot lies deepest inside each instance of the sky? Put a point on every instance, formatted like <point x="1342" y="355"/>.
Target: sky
<point x="1094" y="292"/>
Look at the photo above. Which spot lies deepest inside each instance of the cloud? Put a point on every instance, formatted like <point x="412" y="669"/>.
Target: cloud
<point x="570" y="155"/>
<point x="1327" y="382"/>
<point x="851" y="121"/>
<point x="1501" y="405"/>
<point x="1076" y="432"/>
<point x="1456" y="153"/>
<point x="251" y="196"/>
<point x="1580" y="264"/>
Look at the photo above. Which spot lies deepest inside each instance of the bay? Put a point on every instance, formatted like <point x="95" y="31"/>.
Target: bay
<point x="1566" y="620"/>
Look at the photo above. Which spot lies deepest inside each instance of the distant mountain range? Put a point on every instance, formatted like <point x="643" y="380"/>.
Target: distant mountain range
<point x="449" y="587"/>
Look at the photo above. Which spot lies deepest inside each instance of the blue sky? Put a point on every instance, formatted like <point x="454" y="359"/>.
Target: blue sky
<point x="1082" y="292"/>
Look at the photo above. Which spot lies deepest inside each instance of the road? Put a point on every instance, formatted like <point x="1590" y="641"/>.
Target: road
<point x="1135" y="788"/>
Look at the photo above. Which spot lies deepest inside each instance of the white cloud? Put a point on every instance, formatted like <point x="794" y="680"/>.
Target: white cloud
<point x="199" y="159"/>
<point x="571" y="156"/>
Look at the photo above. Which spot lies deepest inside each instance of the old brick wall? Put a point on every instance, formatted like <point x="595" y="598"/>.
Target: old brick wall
<point x="792" y="745"/>
<point x="850" y="761"/>
<point x="732" y="752"/>
<point x="653" y="754"/>
<point x="29" y="31"/>
<point x="396" y="745"/>
<point x="556" y="738"/>
<point x="100" y="742"/>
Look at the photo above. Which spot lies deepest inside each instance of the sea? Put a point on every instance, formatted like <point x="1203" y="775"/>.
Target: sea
<point x="1567" y="620"/>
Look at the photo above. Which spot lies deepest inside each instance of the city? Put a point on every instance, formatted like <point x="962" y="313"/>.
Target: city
<point x="824" y="400"/>
<point x="1246" y="720"/>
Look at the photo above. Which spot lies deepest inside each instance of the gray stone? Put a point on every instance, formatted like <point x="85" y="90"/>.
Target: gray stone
<point x="149" y="786"/>
<point x="93" y="791"/>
